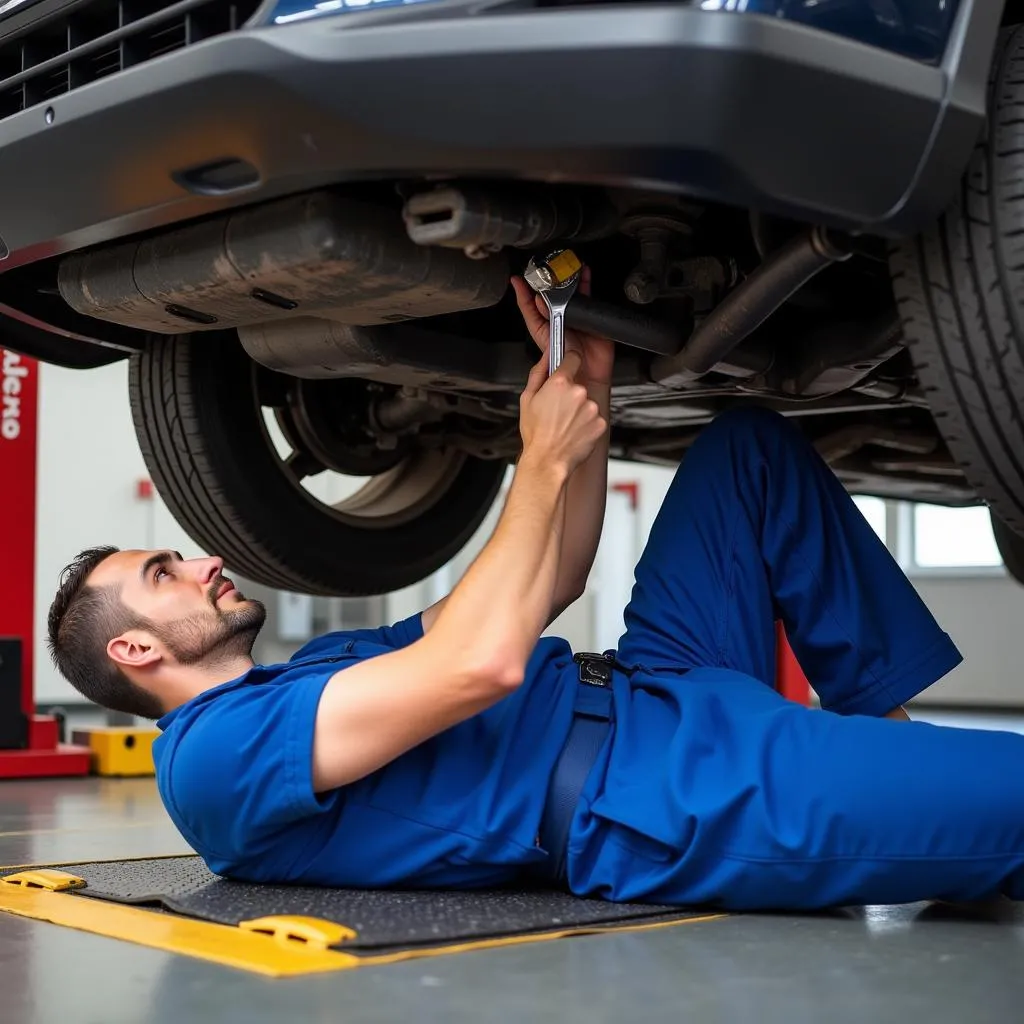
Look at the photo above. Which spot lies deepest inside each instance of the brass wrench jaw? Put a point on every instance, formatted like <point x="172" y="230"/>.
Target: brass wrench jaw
<point x="543" y="277"/>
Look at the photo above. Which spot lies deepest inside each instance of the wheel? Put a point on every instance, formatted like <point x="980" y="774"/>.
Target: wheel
<point x="960" y="292"/>
<point x="253" y="495"/>
<point x="1011" y="548"/>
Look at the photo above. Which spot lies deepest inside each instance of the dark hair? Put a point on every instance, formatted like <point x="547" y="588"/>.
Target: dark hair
<point x="82" y="621"/>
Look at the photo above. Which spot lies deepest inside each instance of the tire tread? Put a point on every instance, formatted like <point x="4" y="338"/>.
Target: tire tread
<point x="959" y="289"/>
<point x="202" y="457"/>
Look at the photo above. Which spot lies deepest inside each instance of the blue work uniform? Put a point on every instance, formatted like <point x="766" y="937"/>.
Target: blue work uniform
<point x="708" y="787"/>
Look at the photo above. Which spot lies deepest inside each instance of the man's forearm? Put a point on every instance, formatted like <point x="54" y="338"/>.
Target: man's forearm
<point x="585" y="497"/>
<point x="585" y="500"/>
<point x="503" y="603"/>
<point x="475" y="654"/>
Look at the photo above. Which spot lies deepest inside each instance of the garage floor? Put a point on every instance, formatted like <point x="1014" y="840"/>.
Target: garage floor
<point x="879" y="964"/>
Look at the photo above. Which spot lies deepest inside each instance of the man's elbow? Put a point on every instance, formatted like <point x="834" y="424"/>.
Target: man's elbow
<point x="498" y="674"/>
<point x="567" y="599"/>
<point x="484" y="668"/>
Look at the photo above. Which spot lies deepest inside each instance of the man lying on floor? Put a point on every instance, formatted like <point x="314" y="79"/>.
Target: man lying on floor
<point x="457" y="749"/>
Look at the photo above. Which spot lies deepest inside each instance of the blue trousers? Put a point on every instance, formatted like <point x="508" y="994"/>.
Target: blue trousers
<point x="713" y="789"/>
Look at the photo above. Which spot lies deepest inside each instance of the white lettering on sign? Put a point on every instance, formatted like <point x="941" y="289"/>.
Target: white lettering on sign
<point x="14" y="372"/>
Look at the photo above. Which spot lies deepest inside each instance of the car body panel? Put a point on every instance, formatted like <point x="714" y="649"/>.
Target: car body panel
<point x="758" y="112"/>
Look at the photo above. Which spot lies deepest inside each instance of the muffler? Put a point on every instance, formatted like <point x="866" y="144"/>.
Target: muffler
<point x="317" y="254"/>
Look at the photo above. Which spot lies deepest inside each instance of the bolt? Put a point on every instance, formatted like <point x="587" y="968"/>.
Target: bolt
<point x="641" y="287"/>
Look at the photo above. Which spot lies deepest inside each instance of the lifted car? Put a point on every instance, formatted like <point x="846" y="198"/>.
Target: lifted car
<point x="297" y="220"/>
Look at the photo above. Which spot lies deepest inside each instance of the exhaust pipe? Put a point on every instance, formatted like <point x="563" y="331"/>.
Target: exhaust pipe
<point x="746" y="307"/>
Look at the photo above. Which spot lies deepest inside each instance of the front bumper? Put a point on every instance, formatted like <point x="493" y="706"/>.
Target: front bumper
<point x="750" y="111"/>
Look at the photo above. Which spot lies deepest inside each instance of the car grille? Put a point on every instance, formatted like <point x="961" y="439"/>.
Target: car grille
<point x="98" y="38"/>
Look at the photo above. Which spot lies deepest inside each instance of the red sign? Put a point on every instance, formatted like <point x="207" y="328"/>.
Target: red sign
<point x="19" y="394"/>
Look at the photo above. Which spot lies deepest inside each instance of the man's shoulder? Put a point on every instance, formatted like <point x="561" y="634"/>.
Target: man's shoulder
<point x="327" y="645"/>
<point x="220" y="732"/>
<point x="364" y="642"/>
<point x="233" y="766"/>
<point x="229" y="700"/>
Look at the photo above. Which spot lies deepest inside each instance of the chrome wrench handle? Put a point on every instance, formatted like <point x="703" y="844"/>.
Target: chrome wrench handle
<point x="557" y="299"/>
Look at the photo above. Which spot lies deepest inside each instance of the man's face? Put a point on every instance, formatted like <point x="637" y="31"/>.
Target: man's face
<point x="188" y="605"/>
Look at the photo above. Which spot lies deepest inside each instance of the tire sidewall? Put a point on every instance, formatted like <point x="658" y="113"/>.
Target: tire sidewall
<point x="204" y="441"/>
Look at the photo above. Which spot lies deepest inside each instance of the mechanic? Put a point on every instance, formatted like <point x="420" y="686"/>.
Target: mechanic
<point x="420" y="754"/>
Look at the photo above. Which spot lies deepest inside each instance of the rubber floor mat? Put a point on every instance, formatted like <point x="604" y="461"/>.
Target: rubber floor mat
<point x="383" y="920"/>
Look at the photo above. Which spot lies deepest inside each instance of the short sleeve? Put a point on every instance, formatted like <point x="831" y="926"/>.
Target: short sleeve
<point x="237" y="773"/>
<point x="400" y="634"/>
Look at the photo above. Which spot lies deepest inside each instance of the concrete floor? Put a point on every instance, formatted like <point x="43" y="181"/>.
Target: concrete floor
<point x="878" y="964"/>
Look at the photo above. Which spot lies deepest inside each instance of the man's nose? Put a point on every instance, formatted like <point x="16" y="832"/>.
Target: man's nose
<point x="208" y="569"/>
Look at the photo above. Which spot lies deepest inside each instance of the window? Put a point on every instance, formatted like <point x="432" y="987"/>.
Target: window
<point x="873" y="510"/>
<point x="934" y="539"/>
<point x="953" y="538"/>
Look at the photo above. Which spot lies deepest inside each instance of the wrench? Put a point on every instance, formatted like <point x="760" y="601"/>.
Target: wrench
<point x="555" y="278"/>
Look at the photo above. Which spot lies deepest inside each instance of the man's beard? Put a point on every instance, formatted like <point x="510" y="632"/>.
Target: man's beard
<point x="213" y="638"/>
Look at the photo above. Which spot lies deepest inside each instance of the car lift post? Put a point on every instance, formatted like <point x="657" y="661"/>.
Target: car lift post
<point x="30" y="744"/>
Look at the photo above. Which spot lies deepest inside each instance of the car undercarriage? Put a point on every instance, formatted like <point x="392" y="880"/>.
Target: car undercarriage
<point x="393" y="326"/>
<point x="299" y="225"/>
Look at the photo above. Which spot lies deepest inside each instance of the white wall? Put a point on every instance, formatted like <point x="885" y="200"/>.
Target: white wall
<point x="985" y="618"/>
<point x="983" y="614"/>
<point x="89" y="466"/>
<point x="576" y="624"/>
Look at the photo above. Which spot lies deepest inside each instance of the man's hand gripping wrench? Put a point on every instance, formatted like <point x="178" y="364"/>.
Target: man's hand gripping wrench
<point x="555" y="278"/>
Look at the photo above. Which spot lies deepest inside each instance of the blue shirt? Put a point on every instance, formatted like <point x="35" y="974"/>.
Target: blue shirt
<point x="234" y="769"/>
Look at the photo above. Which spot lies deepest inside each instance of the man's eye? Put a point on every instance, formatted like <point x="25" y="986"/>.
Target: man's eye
<point x="159" y="573"/>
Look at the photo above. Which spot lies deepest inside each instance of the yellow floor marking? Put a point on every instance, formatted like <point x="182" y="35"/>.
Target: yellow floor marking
<point x="518" y="940"/>
<point x="218" y="943"/>
<point x="249" y="951"/>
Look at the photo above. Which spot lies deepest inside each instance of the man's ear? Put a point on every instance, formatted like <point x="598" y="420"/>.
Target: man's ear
<point x="134" y="649"/>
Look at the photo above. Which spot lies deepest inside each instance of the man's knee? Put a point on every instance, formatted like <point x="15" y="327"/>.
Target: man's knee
<point x="750" y="424"/>
<point x="745" y="437"/>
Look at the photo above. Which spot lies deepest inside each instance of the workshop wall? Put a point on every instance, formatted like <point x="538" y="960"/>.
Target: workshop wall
<point x="984" y="616"/>
<point x="983" y="613"/>
<point x="89" y="471"/>
<point x="90" y="468"/>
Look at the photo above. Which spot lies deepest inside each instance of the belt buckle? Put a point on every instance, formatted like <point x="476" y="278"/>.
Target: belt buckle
<point x="595" y="669"/>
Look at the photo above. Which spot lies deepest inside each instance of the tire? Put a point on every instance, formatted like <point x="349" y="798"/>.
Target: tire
<point x="960" y="292"/>
<point x="200" y="425"/>
<point x="1011" y="548"/>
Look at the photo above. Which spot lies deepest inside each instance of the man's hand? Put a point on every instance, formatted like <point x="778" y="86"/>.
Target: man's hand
<point x="559" y="422"/>
<point x="598" y="353"/>
<point x="587" y="490"/>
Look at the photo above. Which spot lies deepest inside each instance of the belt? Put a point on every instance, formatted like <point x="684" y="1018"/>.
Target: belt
<point x="592" y="716"/>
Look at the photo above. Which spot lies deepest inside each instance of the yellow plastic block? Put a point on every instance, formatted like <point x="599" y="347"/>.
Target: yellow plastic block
<point x="44" y="878"/>
<point x="119" y="750"/>
<point x="563" y="265"/>
<point x="288" y="928"/>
